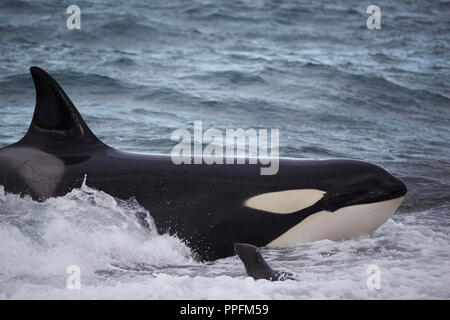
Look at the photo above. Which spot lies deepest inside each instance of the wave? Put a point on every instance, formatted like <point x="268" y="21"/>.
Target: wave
<point x="121" y="255"/>
<point x="230" y="77"/>
<point x="87" y="228"/>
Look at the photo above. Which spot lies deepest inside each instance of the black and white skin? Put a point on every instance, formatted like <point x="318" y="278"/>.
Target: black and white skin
<point x="211" y="207"/>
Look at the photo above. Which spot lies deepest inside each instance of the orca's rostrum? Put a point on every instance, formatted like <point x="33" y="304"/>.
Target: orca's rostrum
<point x="211" y="207"/>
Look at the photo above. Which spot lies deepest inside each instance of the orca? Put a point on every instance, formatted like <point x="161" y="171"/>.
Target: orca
<point x="255" y="265"/>
<point x="210" y="207"/>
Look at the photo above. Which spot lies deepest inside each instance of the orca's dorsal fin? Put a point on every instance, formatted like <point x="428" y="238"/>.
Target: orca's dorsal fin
<point x="57" y="126"/>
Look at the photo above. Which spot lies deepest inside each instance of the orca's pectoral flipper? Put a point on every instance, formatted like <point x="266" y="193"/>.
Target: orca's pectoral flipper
<point x="56" y="124"/>
<point x="255" y="265"/>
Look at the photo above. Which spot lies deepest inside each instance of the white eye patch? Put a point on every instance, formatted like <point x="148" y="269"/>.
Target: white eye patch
<point x="284" y="202"/>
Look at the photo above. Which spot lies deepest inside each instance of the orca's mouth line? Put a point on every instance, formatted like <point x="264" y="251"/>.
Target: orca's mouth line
<point x="332" y="202"/>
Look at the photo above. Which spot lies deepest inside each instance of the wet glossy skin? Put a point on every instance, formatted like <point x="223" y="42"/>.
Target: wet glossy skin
<point x="202" y="204"/>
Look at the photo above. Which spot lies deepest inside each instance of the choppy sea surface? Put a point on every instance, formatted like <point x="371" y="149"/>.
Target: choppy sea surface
<point x="138" y="71"/>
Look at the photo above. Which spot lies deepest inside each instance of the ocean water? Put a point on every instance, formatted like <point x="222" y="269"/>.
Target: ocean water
<point x="138" y="71"/>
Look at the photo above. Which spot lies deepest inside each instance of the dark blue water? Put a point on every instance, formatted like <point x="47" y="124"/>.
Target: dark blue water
<point x="137" y="71"/>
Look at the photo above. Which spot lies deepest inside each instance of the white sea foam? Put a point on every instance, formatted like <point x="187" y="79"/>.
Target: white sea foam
<point x="121" y="259"/>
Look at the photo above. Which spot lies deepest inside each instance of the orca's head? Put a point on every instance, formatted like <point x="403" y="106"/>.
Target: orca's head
<point x="329" y="199"/>
<point x="327" y="185"/>
<point x="355" y="183"/>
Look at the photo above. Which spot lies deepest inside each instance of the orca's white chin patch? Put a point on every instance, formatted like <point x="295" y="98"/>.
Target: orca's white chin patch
<point x="344" y="223"/>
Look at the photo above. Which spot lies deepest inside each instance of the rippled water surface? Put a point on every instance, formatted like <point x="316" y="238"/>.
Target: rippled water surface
<point x="137" y="71"/>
